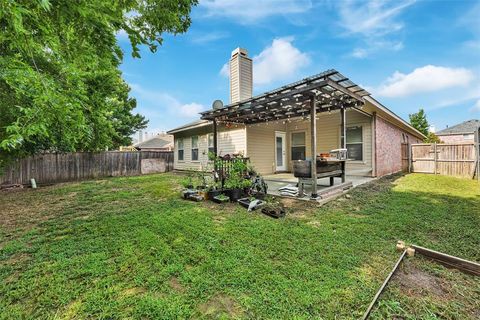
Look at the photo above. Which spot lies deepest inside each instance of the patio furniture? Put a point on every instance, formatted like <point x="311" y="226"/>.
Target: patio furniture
<point x="325" y="167"/>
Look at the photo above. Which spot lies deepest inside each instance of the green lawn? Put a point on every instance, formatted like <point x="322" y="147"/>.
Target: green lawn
<point x="131" y="248"/>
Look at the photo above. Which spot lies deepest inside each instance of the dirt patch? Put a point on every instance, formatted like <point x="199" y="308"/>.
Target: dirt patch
<point x="28" y="209"/>
<point x="18" y="258"/>
<point x="314" y="223"/>
<point x="219" y="220"/>
<point x="418" y="283"/>
<point x="176" y="285"/>
<point x="220" y="306"/>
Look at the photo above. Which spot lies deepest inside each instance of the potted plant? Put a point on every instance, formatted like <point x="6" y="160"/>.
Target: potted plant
<point x="214" y="189"/>
<point x="221" y="198"/>
<point x="234" y="187"/>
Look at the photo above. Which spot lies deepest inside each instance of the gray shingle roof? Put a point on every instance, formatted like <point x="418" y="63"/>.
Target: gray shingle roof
<point x="162" y="141"/>
<point x="468" y="126"/>
<point x="189" y="125"/>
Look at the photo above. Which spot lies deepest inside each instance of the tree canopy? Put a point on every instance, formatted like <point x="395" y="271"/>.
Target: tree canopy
<point x="60" y="84"/>
<point x="419" y="121"/>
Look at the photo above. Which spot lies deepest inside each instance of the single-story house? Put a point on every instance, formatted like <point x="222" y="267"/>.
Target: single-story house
<point x="160" y="142"/>
<point x="460" y="133"/>
<point x="275" y="128"/>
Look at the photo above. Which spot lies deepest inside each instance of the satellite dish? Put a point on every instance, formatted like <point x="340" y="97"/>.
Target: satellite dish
<point x="217" y="104"/>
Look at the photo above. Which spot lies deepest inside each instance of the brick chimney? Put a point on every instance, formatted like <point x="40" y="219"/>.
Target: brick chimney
<point x="241" y="82"/>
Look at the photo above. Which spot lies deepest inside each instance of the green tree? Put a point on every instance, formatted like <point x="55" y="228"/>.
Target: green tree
<point x="60" y="84"/>
<point x="419" y="121"/>
<point x="432" y="138"/>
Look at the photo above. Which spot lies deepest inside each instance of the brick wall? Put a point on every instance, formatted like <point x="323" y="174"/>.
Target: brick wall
<point x="388" y="142"/>
<point x="455" y="138"/>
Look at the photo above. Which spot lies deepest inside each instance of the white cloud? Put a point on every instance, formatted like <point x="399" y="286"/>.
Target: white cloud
<point x="208" y="37"/>
<point x="359" y="53"/>
<point x="248" y="11"/>
<point x="191" y="110"/>
<point x="374" y="45"/>
<point x="225" y="71"/>
<point x="164" y="104"/>
<point x="375" y="22"/>
<point x="373" y="18"/>
<point x="279" y="61"/>
<point x="475" y="107"/>
<point x="425" y="79"/>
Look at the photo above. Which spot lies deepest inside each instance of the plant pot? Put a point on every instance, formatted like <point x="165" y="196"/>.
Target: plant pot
<point x="235" y="194"/>
<point x="216" y="199"/>
<point x="213" y="193"/>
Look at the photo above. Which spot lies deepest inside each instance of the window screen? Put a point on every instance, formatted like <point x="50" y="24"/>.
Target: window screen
<point x="194" y="148"/>
<point x="298" y="146"/>
<point x="180" y="149"/>
<point x="210" y="143"/>
<point x="355" y="143"/>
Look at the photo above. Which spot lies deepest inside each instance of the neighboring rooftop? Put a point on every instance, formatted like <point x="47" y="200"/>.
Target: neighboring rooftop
<point x="194" y="124"/>
<point x="162" y="141"/>
<point x="468" y="126"/>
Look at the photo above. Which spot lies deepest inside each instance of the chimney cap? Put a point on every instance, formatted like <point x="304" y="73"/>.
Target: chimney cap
<point x="240" y="51"/>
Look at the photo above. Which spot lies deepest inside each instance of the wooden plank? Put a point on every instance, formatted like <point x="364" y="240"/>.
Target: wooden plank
<point x="379" y="292"/>
<point x="450" y="261"/>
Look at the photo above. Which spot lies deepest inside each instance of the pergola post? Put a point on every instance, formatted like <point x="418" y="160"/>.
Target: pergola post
<point x="343" y="112"/>
<point x="215" y="143"/>
<point x="313" y="133"/>
<point x="344" y="128"/>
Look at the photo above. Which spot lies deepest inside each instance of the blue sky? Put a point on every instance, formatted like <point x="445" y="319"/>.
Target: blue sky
<point x="408" y="54"/>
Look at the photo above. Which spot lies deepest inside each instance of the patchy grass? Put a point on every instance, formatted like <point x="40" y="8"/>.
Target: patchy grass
<point x="131" y="248"/>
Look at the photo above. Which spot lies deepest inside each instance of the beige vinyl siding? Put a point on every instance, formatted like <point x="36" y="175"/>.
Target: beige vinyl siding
<point x="258" y="142"/>
<point x="261" y="140"/>
<point x="230" y="140"/>
<point x="261" y="145"/>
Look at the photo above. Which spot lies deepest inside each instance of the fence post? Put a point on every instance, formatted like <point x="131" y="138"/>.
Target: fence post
<point x="409" y="146"/>
<point x="435" y="157"/>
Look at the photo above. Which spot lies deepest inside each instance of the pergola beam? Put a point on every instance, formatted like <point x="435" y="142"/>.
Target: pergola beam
<point x="288" y="101"/>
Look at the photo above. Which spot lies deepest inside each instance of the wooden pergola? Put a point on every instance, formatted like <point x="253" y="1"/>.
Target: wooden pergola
<point x="324" y="92"/>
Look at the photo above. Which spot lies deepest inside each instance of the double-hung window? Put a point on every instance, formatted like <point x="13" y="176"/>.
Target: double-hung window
<point x="180" y="148"/>
<point x="298" y="146"/>
<point x="211" y="149"/>
<point x="355" y="143"/>
<point x="195" y="148"/>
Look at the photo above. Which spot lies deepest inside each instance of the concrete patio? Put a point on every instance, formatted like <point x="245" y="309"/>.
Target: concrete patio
<point x="279" y="180"/>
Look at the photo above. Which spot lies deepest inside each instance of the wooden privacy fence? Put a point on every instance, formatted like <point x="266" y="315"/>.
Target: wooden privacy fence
<point x="62" y="167"/>
<point x="458" y="160"/>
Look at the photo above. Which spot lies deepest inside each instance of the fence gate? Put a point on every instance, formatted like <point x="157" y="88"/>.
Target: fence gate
<point x="446" y="159"/>
<point x="405" y="157"/>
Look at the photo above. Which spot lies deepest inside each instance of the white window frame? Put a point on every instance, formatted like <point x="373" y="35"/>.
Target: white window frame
<point x="180" y="149"/>
<point x="192" y="148"/>
<point x="291" y="142"/>
<point x="212" y="146"/>
<point x="350" y="125"/>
